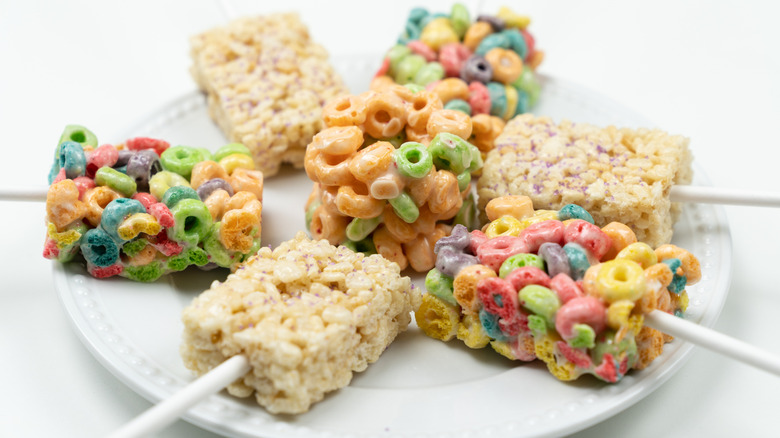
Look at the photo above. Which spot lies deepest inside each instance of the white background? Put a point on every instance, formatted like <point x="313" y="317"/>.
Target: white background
<point x="707" y="70"/>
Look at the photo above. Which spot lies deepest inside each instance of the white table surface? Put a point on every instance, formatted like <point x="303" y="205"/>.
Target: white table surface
<point x="708" y="70"/>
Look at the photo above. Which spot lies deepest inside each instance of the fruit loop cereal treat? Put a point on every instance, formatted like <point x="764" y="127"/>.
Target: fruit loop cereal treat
<point x="266" y="83"/>
<point x="617" y="174"/>
<point x="306" y="314"/>
<point x="392" y="171"/>
<point x="552" y="285"/>
<point x="142" y="209"/>
<point x="485" y="68"/>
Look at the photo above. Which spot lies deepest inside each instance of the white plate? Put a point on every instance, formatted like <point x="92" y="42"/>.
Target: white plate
<point x="420" y="387"/>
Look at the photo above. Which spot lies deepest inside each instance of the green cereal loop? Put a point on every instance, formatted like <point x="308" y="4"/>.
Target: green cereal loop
<point x="428" y="73"/>
<point x="450" y="152"/>
<point x="537" y="325"/>
<point x="192" y="221"/>
<point x="396" y="54"/>
<point x="366" y="246"/>
<point x="476" y="158"/>
<point x="607" y="344"/>
<point x="230" y="149"/>
<point x="145" y="274"/>
<point x="405" y="208"/>
<point x="181" y="160"/>
<point x="464" y="179"/>
<point x="252" y="250"/>
<point x="196" y="256"/>
<point x="407" y="68"/>
<point x="216" y="251"/>
<point x="460" y="19"/>
<point x="107" y="176"/>
<point x="79" y="134"/>
<point x="359" y="229"/>
<point x="310" y="213"/>
<point x="518" y="261"/>
<point x="415" y="88"/>
<point x="206" y="154"/>
<point x="541" y="301"/>
<point x="413" y="160"/>
<point x="584" y="336"/>
<point x="133" y="247"/>
<point x="528" y="82"/>
<point x="164" y="180"/>
<point x="467" y="215"/>
<point x="178" y="263"/>
<point x="175" y="194"/>
<point x="440" y="286"/>
<point x="458" y="105"/>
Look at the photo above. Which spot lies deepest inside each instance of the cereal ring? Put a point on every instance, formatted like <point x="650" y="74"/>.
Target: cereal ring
<point x="389" y="248"/>
<point x="542" y="232"/>
<point x="216" y="203"/>
<point x="245" y="180"/>
<point x="358" y="229"/>
<point x="354" y="201"/>
<point x="122" y="183"/>
<point x="419" y="252"/>
<point x="105" y="155"/>
<point x="236" y="161"/>
<point x="437" y="318"/>
<point x="503" y="226"/>
<point x="143" y="257"/>
<point x="476" y="33"/>
<point x="426" y="222"/>
<point x="420" y="48"/>
<point x="372" y="161"/>
<point x="527" y="275"/>
<point x="116" y="212"/>
<point x="192" y="221"/>
<point x="493" y="252"/>
<point x="640" y="253"/>
<point x="565" y="287"/>
<point x="445" y="194"/>
<point x="142" y="166"/>
<point x="621" y="236"/>
<point x="690" y="264"/>
<point x="345" y="110"/>
<point x="419" y="189"/>
<point x="506" y="65"/>
<point x="452" y="56"/>
<point x="328" y="170"/>
<point x="422" y="105"/>
<point x="163" y="180"/>
<point x="554" y="258"/>
<point x="136" y="224"/>
<point x="518" y="207"/>
<point x="240" y="227"/>
<point x="449" y="121"/>
<point x="62" y="204"/>
<point x="325" y="225"/>
<point x="96" y="199"/>
<point x="589" y="236"/>
<point x="140" y="143"/>
<point x="616" y="280"/>
<point x="498" y="297"/>
<point x="476" y="69"/>
<point x="399" y="229"/>
<point x="465" y="286"/>
<point x="338" y="140"/>
<point x="181" y="159"/>
<point x="451" y="88"/>
<point x="385" y="115"/>
<point x="518" y="261"/>
<point x="580" y="315"/>
<point x="99" y="248"/>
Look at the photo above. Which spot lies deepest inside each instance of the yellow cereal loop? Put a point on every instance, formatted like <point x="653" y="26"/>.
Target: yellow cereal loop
<point x="539" y="216"/>
<point x="517" y="206"/>
<point x="513" y="19"/>
<point x="237" y="161"/>
<point x="472" y="334"/>
<point x="619" y="279"/>
<point x="436" y="318"/>
<point x="639" y="252"/>
<point x="138" y="223"/>
<point x="511" y="100"/>
<point x="545" y="350"/>
<point x="503" y="349"/>
<point x="64" y="238"/>
<point x="618" y="313"/>
<point x="504" y="226"/>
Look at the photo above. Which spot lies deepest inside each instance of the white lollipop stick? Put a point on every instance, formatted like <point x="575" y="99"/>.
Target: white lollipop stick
<point x="712" y="340"/>
<point x="718" y="195"/>
<point x="35" y="194"/>
<point x="167" y="411"/>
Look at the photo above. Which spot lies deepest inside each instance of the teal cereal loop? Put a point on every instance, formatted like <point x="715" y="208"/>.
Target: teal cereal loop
<point x="72" y="159"/>
<point x="460" y="19"/>
<point x="584" y="336"/>
<point x="518" y="261"/>
<point x="430" y="17"/>
<point x="417" y="14"/>
<point x="541" y="301"/>
<point x="574" y="211"/>
<point x="489" y="323"/>
<point x="99" y="248"/>
<point x="458" y="105"/>
<point x="678" y="281"/>
<point x="180" y="160"/>
<point x="450" y="152"/>
<point x="491" y="42"/>
<point x="413" y="160"/>
<point x="164" y="180"/>
<point x="230" y="149"/>
<point x="498" y="101"/>
<point x="405" y="208"/>
<point x="428" y="73"/>
<point x="522" y="102"/>
<point x="78" y="134"/>
<point x="366" y="246"/>
<point x="578" y="259"/>
<point x="464" y="179"/>
<point x="217" y="252"/>
<point x="146" y="273"/>
<point x="516" y="42"/>
<point x="358" y="229"/>
<point x="192" y="221"/>
<point x="114" y="179"/>
<point x="408" y="68"/>
<point x="440" y="286"/>
<point x="116" y="212"/>
<point x="411" y="32"/>
<point x="175" y="194"/>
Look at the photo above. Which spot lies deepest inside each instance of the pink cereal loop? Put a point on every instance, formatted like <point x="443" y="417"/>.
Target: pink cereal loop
<point x="542" y="232"/>
<point x="479" y="98"/>
<point x="83" y="183"/>
<point x="420" y="48"/>
<point x="452" y="56"/>
<point x="493" y="252"/>
<point x="489" y="289"/>
<point x="582" y="310"/>
<point x="384" y="68"/>
<point x="146" y="199"/>
<point x="589" y="236"/>
<point x="139" y="143"/>
<point x="522" y="277"/>
<point x="566" y="288"/>
<point x="105" y="155"/>
<point x="477" y="238"/>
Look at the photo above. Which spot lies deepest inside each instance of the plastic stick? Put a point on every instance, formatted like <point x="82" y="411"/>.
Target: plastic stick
<point x="34" y="194"/>
<point x="717" y="195"/>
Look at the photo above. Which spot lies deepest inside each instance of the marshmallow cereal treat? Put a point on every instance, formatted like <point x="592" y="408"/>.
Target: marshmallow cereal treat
<point x="306" y="314"/>
<point x="549" y="284"/>
<point x="392" y="172"/>
<point x="617" y="174"/>
<point x="142" y="209"/>
<point x="485" y="67"/>
<point x="266" y="83"/>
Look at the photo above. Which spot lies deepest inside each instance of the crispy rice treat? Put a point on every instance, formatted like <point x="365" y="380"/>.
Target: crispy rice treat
<point x="266" y="82"/>
<point x="307" y="315"/>
<point x="617" y="174"/>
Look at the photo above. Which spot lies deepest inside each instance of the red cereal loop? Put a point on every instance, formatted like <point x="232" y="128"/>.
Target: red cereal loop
<point x="523" y="276"/>
<point x="578" y="357"/>
<point x="498" y="297"/>
<point x="146" y="199"/>
<point x="60" y="176"/>
<point x="530" y="43"/>
<point x="541" y="232"/>
<point x="452" y="56"/>
<point x="477" y="238"/>
<point x="566" y="288"/>
<point x="166" y="246"/>
<point x="50" y="250"/>
<point x="479" y="98"/>
<point x="83" y="184"/>
<point x="163" y="215"/>
<point x="139" y="143"/>
<point x="384" y="68"/>
<point x="493" y="252"/>
<point x="108" y="271"/>
<point x="420" y="48"/>
<point x="589" y="236"/>
<point x="105" y="155"/>
<point x="514" y="325"/>
<point x="607" y="369"/>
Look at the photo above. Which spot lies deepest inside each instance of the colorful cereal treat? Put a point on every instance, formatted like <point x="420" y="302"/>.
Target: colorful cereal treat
<point x="392" y="167"/>
<point x="306" y="314"/>
<point x="142" y="209"/>
<point x="266" y="82"/>
<point x="559" y="289"/>
<point x="617" y="174"/>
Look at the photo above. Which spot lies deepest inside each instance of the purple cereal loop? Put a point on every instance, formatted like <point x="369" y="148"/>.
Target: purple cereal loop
<point x="458" y="239"/>
<point x="207" y="188"/>
<point x="123" y="156"/>
<point x="450" y="261"/>
<point x="555" y="258"/>
<point x="142" y="166"/>
<point x="476" y="68"/>
<point x="495" y="22"/>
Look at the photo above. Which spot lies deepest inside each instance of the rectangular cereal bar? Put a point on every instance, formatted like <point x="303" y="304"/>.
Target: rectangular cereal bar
<point x="617" y="174"/>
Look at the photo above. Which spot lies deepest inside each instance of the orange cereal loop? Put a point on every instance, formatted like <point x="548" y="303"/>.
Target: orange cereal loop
<point x="354" y="201"/>
<point x="451" y="88"/>
<point x="328" y="170"/>
<point x="248" y="181"/>
<point x="650" y="344"/>
<point x="406" y="94"/>
<point x="345" y="110"/>
<point x="449" y="214"/>
<point x="476" y="33"/>
<point x="464" y="286"/>
<point x="328" y="198"/>
<point x="517" y="206"/>
<point x="239" y="228"/>
<point x="206" y="170"/>
<point x="507" y="65"/>
<point x="621" y="236"/>
<point x="426" y="221"/>
<point x="445" y="194"/>
<point x="389" y="248"/>
<point x="385" y="115"/>
<point x="690" y="264"/>
<point x="338" y="140"/>
<point x="314" y="196"/>
<point x="420" y="189"/>
<point x="420" y="254"/>
<point x="381" y="83"/>
<point x="452" y="121"/>
<point x="328" y="226"/>
<point x="143" y="257"/>
<point x="422" y="105"/>
<point x="536" y="59"/>
<point x="398" y="228"/>
<point x="419" y="135"/>
<point x="486" y="129"/>
<point x="372" y="161"/>
<point x="245" y="201"/>
<point x="217" y="203"/>
<point x="62" y="204"/>
<point x="96" y="200"/>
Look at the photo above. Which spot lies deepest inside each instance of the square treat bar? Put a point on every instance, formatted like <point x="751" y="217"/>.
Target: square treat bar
<point x="617" y="174"/>
<point x="266" y="82"/>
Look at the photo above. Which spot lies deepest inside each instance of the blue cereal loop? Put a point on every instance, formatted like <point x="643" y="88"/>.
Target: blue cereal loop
<point x="490" y="325"/>
<point x="578" y="260"/>
<point x="116" y="212"/>
<point x="574" y="211"/>
<point x="491" y="42"/>
<point x="516" y="42"/>
<point x="99" y="248"/>
<point x="72" y="159"/>
<point x="498" y="100"/>
<point x="678" y="281"/>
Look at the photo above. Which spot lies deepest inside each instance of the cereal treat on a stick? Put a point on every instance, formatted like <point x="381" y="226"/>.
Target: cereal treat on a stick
<point x="552" y="285"/>
<point x="142" y="209"/>
<point x="266" y="82"/>
<point x="306" y="314"/>
<point x="617" y="174"/>
<point x="392" y="172"/>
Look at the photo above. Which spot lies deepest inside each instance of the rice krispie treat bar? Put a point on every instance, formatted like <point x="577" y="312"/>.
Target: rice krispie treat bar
<point x="306" y="314"/>
<point x="266" y="82"/>
<point x="617" y="174"/>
